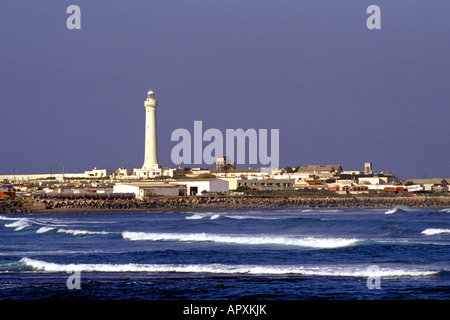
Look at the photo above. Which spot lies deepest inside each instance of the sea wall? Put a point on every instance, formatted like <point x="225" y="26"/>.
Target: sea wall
<point x="219" y="203"/>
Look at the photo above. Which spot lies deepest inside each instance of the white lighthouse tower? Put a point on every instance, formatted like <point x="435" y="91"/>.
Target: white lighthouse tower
<point x="151" y="167"/>
<point x="151" y="148"/>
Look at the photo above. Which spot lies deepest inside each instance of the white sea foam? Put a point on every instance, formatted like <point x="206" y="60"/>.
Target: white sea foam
<point x="260" y="216"/>
<point x="22" y="223"/>
<point x="48" y="222"/>
<point x="435" y="231"/>
<point x="81" y="232"/>
<point x="242" y="217"/>
<point x="391" y="211"/>
<point x="19" y="224"/>
<point x="8" y="218"/>
<point x="44" y="229"/>
<point x="242" y="239"/>
<point x="239" y="217"/>
<point x="335" y="271"/>
<point x="196" y="217"/>
<point x="399" y="209"/>
<point x="46" y="226"/>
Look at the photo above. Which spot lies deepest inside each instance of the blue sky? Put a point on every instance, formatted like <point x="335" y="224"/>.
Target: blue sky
<point x="338" y="92"/>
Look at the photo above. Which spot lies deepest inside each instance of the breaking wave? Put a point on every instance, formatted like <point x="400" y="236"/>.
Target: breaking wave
<point x="198" y="216"/>
<point x="8" y="218"/>
<point x="81" y="232"/>
<point x="397" y="209"/>
<point x="46" y="226"/>
<point x="19" y="224"/>
<point x="255" y="217"/>
<point x="335" y="271"/>
<point x="44" y="229"/>
<point x="22" y="223"/>
<point x="435" y="231"/>
<point x="242" y="239"/>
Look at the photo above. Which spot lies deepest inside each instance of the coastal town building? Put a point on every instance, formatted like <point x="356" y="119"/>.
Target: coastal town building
<point x="311" y="183"/>
<point x="143" y="190"/>
<point x="348" y="188"/>
<point x="433" y="182"/>
<point x="428" y="185"/>
<point x="377" y="179"/>
<point x="199" y="186"/>
<point x="368" y="168"/>
<point x="224" y="163"/>
<point x="321" y="171"/>
<point x="152" y="173"/>
<point x="240" y="173"/>
<point x="98" y="173"/>
<point x="298" y="176"/>
<point x="123" y="172"/>
<point x="232" y="183"/>
<point x="6" y="192"/>
<point x="172" y="187"/>
<point x="267" y="184"/>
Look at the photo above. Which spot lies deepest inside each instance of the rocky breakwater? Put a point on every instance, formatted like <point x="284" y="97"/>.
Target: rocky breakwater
<point x="337" y="202"/>
<point x="12" y="206"/>
<point x="219" y="203"/>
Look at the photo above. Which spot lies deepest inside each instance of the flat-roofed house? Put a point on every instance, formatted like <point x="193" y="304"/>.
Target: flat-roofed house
<point x="429" y="184"/>
<point x="143" y="189"/>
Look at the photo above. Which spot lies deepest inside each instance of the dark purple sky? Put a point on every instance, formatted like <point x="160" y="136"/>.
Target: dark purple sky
<point x="338" y="92"/>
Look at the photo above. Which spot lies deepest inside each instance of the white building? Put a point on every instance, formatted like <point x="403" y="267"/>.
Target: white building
<point x="123" y="172"/>
<point x="142" y="190"/>
<point x="153" y="173"/>
<point x="190" y="187"/>
<point x="197" y="186"/>
<point x="385" y="179"/>
<point x="348" y="188"/>
<point x="98" y="173"/>
<point x="241" y="173"/>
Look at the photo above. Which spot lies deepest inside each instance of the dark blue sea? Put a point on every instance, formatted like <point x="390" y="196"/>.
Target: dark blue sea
<point x="262" y="254"/>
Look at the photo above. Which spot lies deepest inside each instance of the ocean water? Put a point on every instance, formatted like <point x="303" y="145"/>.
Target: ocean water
<point x="261" y="254"/>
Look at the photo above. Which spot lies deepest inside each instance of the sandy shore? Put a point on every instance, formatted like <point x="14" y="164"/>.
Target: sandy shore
<point x="220" y="203"/>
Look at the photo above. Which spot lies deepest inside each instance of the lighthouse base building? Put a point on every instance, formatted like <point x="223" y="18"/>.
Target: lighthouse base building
<point x="153" y="173"/>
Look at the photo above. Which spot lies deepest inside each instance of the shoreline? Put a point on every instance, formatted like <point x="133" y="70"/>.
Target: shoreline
<point x="218" y="203"/>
